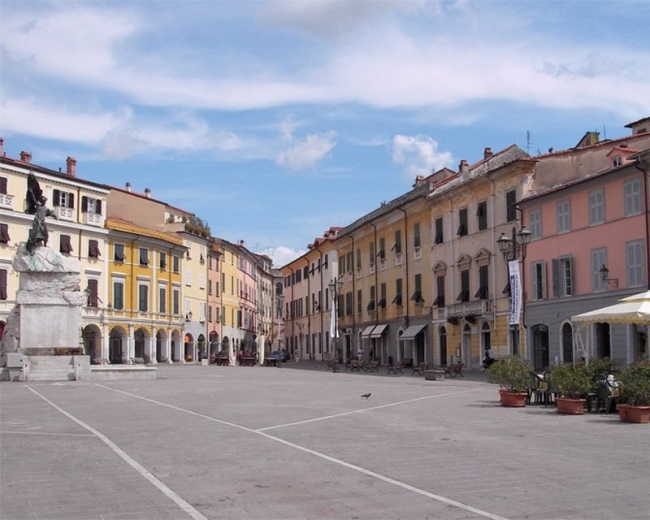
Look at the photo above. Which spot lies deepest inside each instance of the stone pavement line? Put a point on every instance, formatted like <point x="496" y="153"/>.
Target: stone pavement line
<point x="143" y="471"/>
<point x="365" y="410"/>
<point x="353" y="467"/>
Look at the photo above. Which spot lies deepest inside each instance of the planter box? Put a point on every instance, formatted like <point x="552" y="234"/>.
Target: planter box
<point x="634" y="414"/>
<point x="513" y="399"/>
<point x="570" y="406"/>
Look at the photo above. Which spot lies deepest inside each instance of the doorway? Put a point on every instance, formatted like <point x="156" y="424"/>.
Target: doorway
<point x="540" y="347"/>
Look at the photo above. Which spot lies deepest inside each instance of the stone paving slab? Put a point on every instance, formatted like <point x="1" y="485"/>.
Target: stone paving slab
<point x="299" y="442"/>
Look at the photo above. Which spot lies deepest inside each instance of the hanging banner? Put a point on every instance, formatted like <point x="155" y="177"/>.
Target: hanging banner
<point x="334" y="333"/>
<point x="515" y="291"/>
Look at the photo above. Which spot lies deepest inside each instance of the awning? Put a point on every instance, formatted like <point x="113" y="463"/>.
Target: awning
<point x="412" y="331"/>
<point x="366" y="332"/>
<point x="378" y="331"/>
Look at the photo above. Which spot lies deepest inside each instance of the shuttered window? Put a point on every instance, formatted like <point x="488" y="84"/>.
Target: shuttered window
<point x="65" y="245"/>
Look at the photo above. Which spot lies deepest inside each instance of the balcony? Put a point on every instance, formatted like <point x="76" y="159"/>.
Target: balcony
<point x="93" y="219"/>
<point x="417" y="253"/>
<point x="398" y="258"/>
<point x="64" y="213"/>
<point x="6" y="201"/>
<point x="482" y="308"/>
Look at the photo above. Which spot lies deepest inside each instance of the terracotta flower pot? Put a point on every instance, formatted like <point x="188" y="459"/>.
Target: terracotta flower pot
<point x="634" y="414"/>
<point x="570" y="406"/>
<point x="513" y="399"/>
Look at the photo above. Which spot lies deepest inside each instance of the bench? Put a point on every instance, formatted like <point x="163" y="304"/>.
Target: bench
<point x="355" y="364"/>
<point x="434" y="375"/>
<point x="454" y="369"/>
<point x="407" y="362"/>
<point x="373" y="366"/>
<point x="420" y="368"/>
<point x="395" y="369"/>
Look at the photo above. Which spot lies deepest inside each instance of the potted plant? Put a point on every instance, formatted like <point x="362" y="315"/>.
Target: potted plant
<point x="513" y="376"/>
<point x="572" y="382"/>
<point x="635" y="396"/>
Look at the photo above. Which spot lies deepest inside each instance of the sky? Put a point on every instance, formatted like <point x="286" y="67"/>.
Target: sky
<point x="275" y="120"/>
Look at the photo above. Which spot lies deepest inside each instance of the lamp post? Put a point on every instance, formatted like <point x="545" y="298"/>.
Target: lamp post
<point x="335" y="287"/>
<point x="514" y="251"/>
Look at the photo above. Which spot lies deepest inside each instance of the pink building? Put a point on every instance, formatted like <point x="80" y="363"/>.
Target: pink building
<point x="589" y="249"/>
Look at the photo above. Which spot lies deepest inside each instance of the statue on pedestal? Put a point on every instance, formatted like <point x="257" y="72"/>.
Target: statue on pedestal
<point x="36" y="201"/>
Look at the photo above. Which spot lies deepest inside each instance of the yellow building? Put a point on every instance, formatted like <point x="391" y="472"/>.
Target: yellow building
<point x="143" y="317"/>
<point x="230" y="312"/>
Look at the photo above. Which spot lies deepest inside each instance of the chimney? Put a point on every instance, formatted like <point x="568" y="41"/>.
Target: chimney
<point x="26" y="157"/>
<point x="462" y="167"/>
<point x="487" y="154"/>
<point x="147" y="193"/>
<point x="71" y="168"/>
<point x="128" y="187"/>
<point x="2" y="147"/>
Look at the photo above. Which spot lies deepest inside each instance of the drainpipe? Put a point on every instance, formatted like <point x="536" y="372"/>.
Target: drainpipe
<point x="406" y="262"/>
<point x="637" y="165"/>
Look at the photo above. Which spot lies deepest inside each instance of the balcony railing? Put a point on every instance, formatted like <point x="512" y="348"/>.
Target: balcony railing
<point x="478" y="308"/>
<point x="64" y="213"/>
<point x="93" y="219"/>
<point x="6" y="201"/>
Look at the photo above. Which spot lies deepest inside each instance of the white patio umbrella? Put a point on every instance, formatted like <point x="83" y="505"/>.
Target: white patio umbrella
<point x="633" y="309"/>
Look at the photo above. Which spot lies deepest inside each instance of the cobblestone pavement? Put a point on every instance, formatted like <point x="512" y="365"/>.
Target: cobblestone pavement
<point x="300" y="443"/>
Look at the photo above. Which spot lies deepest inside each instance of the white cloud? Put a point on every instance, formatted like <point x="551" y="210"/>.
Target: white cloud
<point x="282" y="255"/>
<point x="306" y="153"/>
<point x="419" y="155"/>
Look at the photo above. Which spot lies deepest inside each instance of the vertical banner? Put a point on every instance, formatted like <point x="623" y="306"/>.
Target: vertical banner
<point x="334" y="333"/>
<point x="515" y="291"/>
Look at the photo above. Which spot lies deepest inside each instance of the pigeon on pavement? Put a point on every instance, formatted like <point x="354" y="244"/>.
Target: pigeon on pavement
<point x="366" y="395"/>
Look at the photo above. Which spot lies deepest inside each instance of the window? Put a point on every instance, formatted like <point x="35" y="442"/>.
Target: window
<point x="598" y="260"/>
<point x="616" y="161"/>
<point x="371" y="303"/>
<point x="538" y="280"/>
<point x="511" y="208"/>
<point x="162" y="299"/>
<point x="90" y="205"/>
<point x="118" y="295"/>
<point x="382" y="296"/>
<point x="188" y="277"/>
<point x="162" y="260"/>
<point x="93" y="249"/>
<point x="416" y="235"/>
<point x="632" y="194"/>
<point x="118" y="253"/>
<point x="371" y="253"/>
<point x="176" y="301"/>
<point x="359" y="302"/>
<point x="462" y="222"/>
<point x="3" y="185"/>
<point x="463" y="296"/>
<point x="482" y="292"/>
<point x="144" y="256"/>
<point x="176" y="263"/>
<point x="562" y="277"/>
<point x="535" y="222"/>
<point x="597" y="207"/>
<point x="210" y="314"/>
<point x="417" y="293"/>
<point x="398" y="292"/>
<point x="397" y="247"/>
<point x="438" y="239"/>
<point x="358" y="259"/>
<point x="481" y="213"/>
<point x="4" y="234"/>
<point x="635" y="263"/>
<point x="143" y="298"/>
<point x="92" y="293"/>
<point x="348" y="304"/>
<point x="440" y="290"/>
<point x="202" y="306"/>
<point x="65" y="245"/>
<point x="3" y="284"/>
<point x="563" y="213"/>
<point x="382" y="248"/>
<point x="63" y="199"/>
<point x="201" y="281"/>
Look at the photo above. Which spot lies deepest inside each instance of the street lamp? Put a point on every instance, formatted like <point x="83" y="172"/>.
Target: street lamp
<point x="335" y="287"/>
<point x="604" y="276"/>
<point x="514" y="250"/>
